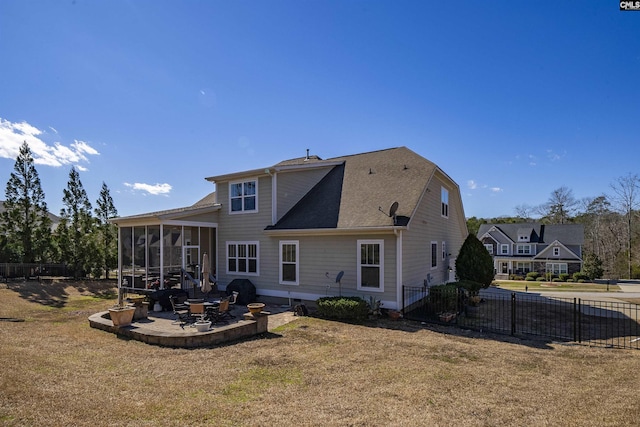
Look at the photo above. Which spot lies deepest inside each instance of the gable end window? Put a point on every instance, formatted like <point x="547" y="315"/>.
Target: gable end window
<point x="243" y="196"/>
<point x="444" y="202"/>
<point x="289" y="264"/>
<point x="242" y="258"/>
<point x="556" y="251"/>
<point x="371" y="265"/>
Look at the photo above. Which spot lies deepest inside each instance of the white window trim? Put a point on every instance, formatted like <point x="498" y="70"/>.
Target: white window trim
<point x="232" y="212"/>
<point x="550" y="267"/>
<point x="556" y="251"/>
<point x="381" y="266"/>
<point x="503" y="246"/>
<point x="431" y="257"/>
<point x="444" y="251"/>
<point x="523" y="249"/>
<point x="297" y="263"/>
<point x="489" y="248"/>
<point x="242" y="273"/>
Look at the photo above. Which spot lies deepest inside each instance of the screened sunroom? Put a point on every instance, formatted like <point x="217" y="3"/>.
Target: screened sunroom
<point x="165" y="249"/>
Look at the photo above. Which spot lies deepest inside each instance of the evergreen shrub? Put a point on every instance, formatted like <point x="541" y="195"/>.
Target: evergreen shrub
<point x="344" y="308"/>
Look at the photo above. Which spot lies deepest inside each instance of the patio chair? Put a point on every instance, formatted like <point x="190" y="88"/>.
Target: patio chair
<point x="181" y="311"/>
<point x="196" y="310"/>
<point x="224" y="309"/>
<point x="233" y="299"/>
<point x="211" y="314"/>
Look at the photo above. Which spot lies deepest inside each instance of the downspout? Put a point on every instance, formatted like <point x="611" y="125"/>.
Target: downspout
<point x="399" y="264"/>
<point x="274" y="196"/>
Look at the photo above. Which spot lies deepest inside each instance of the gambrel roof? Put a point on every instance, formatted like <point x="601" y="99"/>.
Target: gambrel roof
<point x="360" y="189"/>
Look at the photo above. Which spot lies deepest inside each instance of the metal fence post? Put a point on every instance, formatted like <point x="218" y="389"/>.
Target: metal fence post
<point x="513" y="313"/>
<point x="575" y="319"/>
<point x="579" y="320"/>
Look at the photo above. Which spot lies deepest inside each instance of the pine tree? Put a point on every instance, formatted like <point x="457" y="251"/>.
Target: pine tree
<point x="108" y="233"/>
<point x="474" y="263"/>
<point x="76" y="226"/>
<point x="25" y="223"/>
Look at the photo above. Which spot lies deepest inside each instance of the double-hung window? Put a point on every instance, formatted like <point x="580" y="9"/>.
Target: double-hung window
<point x="504" y="249"/>
<point x="243" y="196"/>
<point x="444" y="202"/>
<point x="242" y="258"/>
<point x="524" y="249"/>
<point x="289" y="264"/>
<point x="556" y="251"/>
<point x="489" y="248"/>
<point x="371" y="265"/>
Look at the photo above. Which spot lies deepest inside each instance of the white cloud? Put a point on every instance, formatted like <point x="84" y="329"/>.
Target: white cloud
<point x="496" y="190"/>
<point x="472" y="184"/>
<point x="553" y="156"/>
<point x="12" y="135"/>
<point x="154" y="189"/>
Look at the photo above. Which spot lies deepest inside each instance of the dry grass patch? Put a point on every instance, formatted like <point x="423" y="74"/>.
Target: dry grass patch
<point x="56" y="371"/>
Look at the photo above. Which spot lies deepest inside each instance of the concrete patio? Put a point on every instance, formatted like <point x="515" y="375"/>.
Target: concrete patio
<point x="161" y="328"/>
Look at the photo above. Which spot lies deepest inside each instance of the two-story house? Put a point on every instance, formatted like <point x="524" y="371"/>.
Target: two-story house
<point x="384" y="219"/>
<point x="522" y="248"/>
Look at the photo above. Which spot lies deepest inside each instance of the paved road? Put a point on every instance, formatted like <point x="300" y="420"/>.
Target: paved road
<point x="628" y="289"/>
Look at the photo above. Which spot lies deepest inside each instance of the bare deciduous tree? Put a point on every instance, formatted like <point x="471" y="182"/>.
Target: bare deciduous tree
<point x="626" y="199"/>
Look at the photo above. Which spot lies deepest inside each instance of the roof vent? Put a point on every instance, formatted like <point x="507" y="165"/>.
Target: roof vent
<point x="306" y="159"/>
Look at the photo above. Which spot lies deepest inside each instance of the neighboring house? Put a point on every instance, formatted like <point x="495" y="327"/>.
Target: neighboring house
<point x="521" y="248"/>
<point x="385" y="218"/>
<point x="55" y="220"/>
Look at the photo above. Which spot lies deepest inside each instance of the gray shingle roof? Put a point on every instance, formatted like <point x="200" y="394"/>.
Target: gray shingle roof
<point x="567" y="234"/>
<point x="353" y="194"/>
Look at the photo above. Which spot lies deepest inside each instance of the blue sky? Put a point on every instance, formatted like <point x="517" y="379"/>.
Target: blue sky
<point x="511" y="99"/>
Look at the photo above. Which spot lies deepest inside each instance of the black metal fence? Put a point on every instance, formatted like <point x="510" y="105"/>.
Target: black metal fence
<point x="35" y="270"/>
<point x="597" y="323"/>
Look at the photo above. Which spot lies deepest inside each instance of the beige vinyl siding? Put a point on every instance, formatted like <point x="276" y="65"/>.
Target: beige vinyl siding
<point x="243" y="227"/>
<point x="428" y="225"/>
<point x="292" y="186"/>
<point x="326" y="254"/>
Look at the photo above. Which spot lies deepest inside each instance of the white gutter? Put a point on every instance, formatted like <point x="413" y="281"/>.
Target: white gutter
<point x="334" y="231"/>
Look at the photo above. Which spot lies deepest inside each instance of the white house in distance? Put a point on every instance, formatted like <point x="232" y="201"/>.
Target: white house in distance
<point x="384" y="219"/>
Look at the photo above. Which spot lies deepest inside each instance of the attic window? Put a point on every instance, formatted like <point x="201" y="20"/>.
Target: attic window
<point x="444" y="199"/>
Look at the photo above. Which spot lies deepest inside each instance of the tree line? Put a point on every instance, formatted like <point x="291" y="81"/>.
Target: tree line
<point x="612" y="229"/>
<point x="84" y="240"/>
